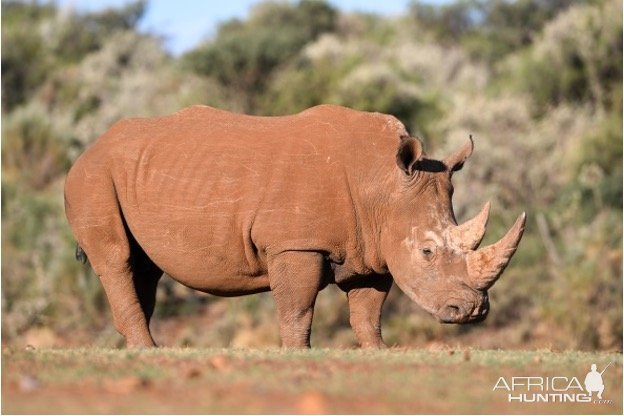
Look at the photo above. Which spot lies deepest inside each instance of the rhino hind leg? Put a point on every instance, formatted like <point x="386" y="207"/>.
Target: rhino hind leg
<point x="366" y="298"/>
<point x="145" y="274"/>
<point x="295" y="279"/>
<point x="99" y="228"/>
<point x="111" y="258"/>
<point x="118" y="279"/>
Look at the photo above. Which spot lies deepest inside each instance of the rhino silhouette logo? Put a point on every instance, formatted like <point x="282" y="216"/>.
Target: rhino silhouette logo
<point x="593" y="380"/>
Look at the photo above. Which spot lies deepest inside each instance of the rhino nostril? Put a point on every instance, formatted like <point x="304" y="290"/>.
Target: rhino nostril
<point x="452" y="309"/>
<point x="450" y="313"/>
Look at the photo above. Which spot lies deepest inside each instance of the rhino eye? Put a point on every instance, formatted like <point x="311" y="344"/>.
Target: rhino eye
<point x="427" y="252"/>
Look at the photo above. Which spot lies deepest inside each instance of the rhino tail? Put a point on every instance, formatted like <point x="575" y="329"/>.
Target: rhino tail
<point x="81" y="256"/>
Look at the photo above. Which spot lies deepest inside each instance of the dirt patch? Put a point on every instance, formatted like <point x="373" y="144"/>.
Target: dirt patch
<point x="276" y="381"/>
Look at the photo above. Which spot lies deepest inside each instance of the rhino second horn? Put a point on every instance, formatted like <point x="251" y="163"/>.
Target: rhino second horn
<point x="487" y="264"/>
<point x="468" y="235"/>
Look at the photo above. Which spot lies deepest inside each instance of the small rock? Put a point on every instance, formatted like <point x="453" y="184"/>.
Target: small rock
<point x="219" y="362"/>
<point x="466" y="355"/>
<point x="126" y="385"/>
<point x="451" y="352"/>
<point x="29" y="347"/>
<point x="40" y="338"/>
<point x="28" y="383"/>
<point x="537" y="359"/>
<point x="312" y="403"/>
<point x="191" y="372"/>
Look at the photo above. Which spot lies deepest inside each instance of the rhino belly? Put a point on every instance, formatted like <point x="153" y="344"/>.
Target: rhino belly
<point x="210" y="251"/>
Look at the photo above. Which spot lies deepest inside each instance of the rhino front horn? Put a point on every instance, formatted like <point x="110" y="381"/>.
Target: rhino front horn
<point x="487" y="264"/>
<point x="468" y="235"/>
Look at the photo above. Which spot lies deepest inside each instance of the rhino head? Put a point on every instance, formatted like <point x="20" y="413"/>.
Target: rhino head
<point x="432" y="259"/>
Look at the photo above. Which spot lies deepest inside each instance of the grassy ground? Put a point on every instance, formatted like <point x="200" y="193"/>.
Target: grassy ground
<point x="276" y="381"/>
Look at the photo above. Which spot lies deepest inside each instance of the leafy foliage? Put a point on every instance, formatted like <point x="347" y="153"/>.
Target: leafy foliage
<point x="488" y="29"/>
<point x="577" y="58"/>
<point x="244" y="54"/>
<point x="58" y="39"/>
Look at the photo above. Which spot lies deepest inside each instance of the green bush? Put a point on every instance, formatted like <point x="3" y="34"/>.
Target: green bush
<point x="577" y="58"/>
<point x="32" y="148"/>
<point x="244" y="55"/>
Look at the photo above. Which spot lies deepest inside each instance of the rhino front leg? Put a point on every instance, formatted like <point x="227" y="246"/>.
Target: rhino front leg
<point x="366" y="298"/>
<point x="295" y="278"/>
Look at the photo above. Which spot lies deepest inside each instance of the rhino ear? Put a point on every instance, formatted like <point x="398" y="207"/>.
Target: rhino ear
<point x="410" y="151"/>
<point x="456" y="161"/>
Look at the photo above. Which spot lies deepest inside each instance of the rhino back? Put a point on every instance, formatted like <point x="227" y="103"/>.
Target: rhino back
<point x="207" y="194"/>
